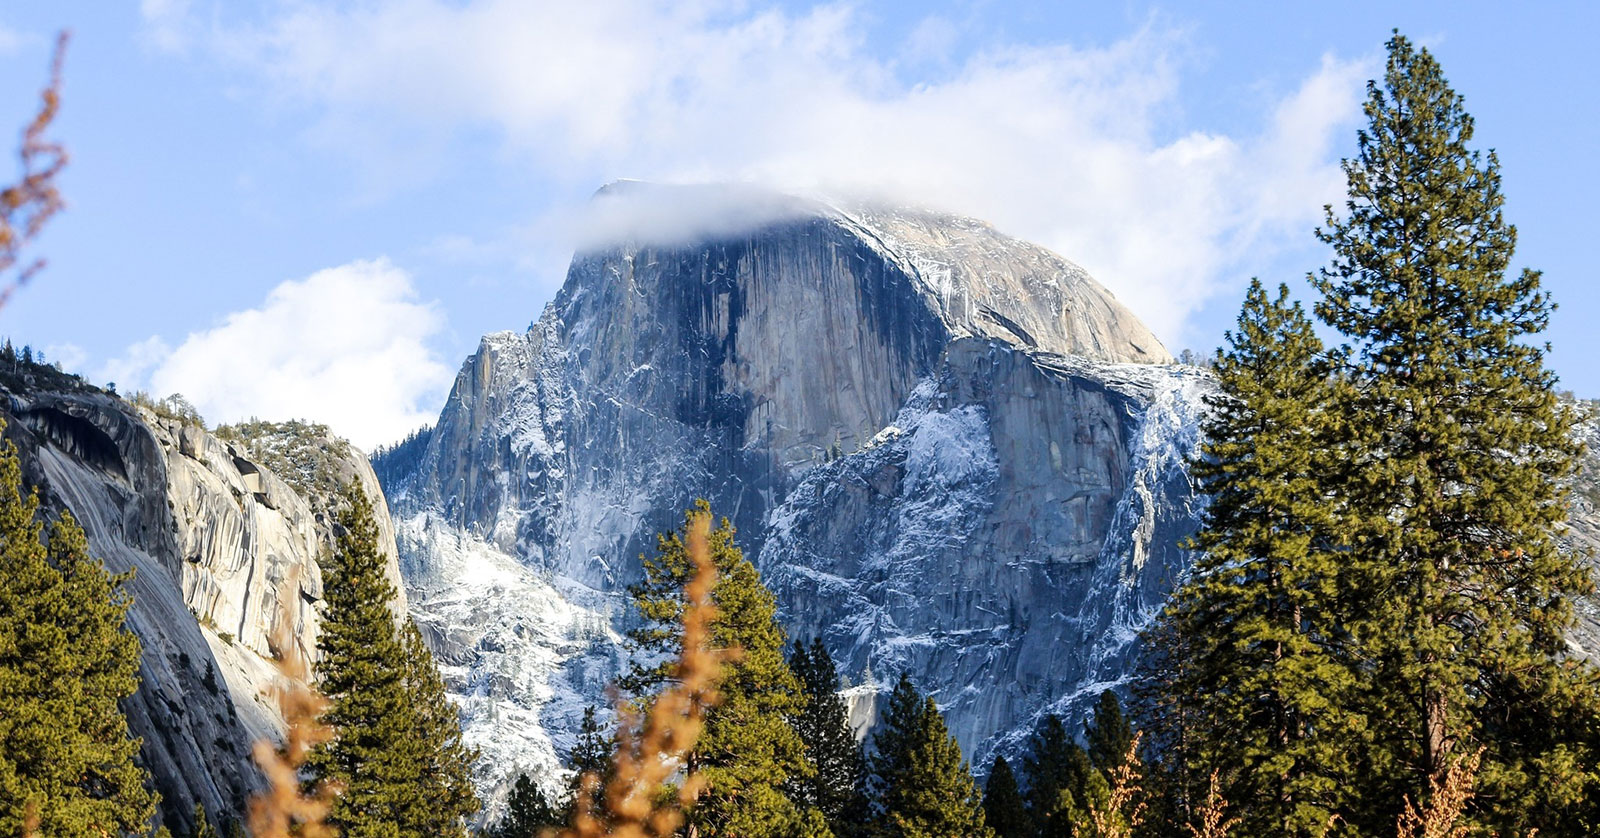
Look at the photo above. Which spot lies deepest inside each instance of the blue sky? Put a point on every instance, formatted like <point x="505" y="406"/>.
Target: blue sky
<point x="315" y="209"/>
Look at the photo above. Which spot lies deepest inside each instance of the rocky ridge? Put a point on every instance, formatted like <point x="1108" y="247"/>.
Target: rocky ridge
<point x="221" y="547"/>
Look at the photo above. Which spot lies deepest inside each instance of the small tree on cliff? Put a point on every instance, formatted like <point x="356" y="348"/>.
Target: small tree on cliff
<point x="591" y="756"/>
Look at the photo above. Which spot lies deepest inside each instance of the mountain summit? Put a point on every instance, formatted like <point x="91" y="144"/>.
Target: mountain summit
<point x="978" y="281"/>
<point x="949" y="450"/>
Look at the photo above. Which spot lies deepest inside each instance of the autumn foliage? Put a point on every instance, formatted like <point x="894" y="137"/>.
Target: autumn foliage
<point x="283" y="809"/>
<point x="28" y="204"/>
<point x="638" y="800"/>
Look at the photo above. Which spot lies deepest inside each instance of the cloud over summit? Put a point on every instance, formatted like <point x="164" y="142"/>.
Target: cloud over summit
<point x="1069" y="146"/>
<point x="1083" y="149"/>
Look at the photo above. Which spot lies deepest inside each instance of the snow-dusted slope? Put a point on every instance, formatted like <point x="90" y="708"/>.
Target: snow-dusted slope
<point x="1005" y="539"/>
<point x="938" y="442"/>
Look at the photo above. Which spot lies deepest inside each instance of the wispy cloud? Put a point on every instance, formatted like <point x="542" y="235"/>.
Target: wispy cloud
<point x="347" y="346"/>
<point x="130" y="371"/>
<point x="70" y="356"/>
<point x="1065" y="145"/>
<point x="167" y="23"/>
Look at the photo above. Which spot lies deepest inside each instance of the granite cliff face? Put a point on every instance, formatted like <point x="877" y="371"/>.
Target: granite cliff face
<point x="946" y="449"/>
<point x="1004" y="539"/>
<point x="221" y="547"/>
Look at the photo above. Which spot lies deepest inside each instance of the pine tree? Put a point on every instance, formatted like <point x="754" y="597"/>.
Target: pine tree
<point x="1109" y="735"/>
<point x="396" y="752"/>
<point x="1111" y="743"/>
<point x="371" y="757"/>
<point x="922" y="787"/>
<point x="446" y="762"/>
<point x="592" y="749"/>
<point x="1254" y="641"/>
<point x="823" y="725"/>
<point x="1456" y="453"/>
<point x="1061" y="781"/>
<point x="748" y="752"/>
<point x="591" y="755"/>
<point x="1003" y="807"/>
<point x="66" y="659"/>
<point x="1167" y="718"/>
<point x="528" y="812"/>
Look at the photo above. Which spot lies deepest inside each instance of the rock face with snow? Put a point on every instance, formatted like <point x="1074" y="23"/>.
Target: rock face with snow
<point x="221" y="548"/>
<point x="1004" y="539"/>
<point x="948" y="450"/>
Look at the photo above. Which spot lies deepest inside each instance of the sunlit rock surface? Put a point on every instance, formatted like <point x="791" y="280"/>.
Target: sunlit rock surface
<point x="949" y="451"/>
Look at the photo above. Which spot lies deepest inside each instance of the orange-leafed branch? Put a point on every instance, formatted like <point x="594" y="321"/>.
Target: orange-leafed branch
<point x="283" y="809"/>
<point x="651" y="748"/>
<point x="28" y="204"/>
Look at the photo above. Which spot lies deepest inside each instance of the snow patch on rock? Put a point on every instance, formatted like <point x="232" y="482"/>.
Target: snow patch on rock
<point x="522" y="653"/>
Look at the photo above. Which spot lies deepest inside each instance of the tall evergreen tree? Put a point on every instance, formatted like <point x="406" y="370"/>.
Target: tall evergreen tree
<point x="1457" y="450"/>
<point x="1004" y="810"/>
<point x="1253" y="642"/>
<point x="836" y="788"/>
<point x="748" y="752"/>
<point x="395" y="754"/>
<point x="528" y="812"/>
<point x="363" y="674"/>
<point x="922" y="786"/>
<point x="66" y="659"/>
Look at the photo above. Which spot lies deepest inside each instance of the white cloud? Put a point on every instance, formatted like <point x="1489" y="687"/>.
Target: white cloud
<point x="347" y="346"/>
<point x="1072" y="147"/>
<point x="130" y="371"/>
<point x="70" y="356"/>
<point x="676" y="215"/>
<point x="931" y="41"/>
